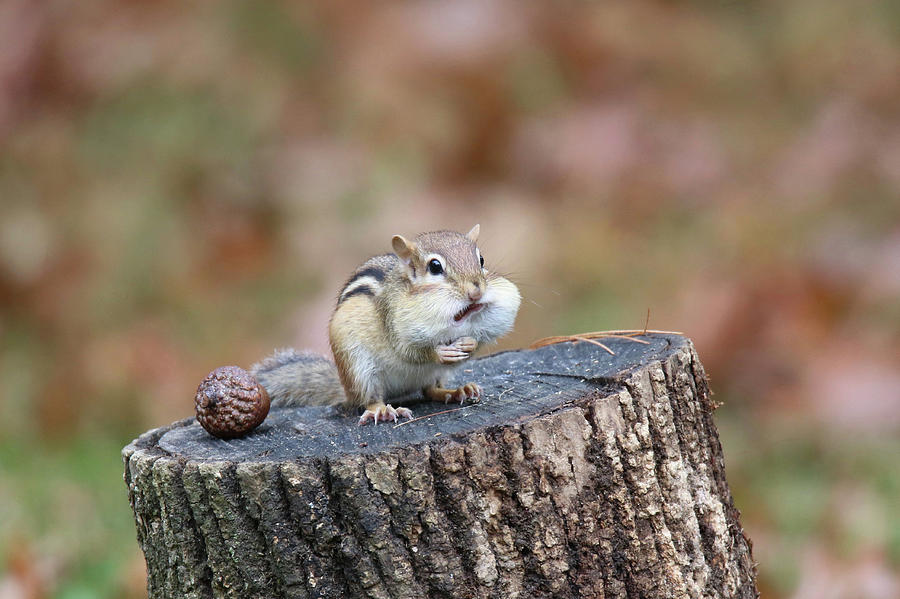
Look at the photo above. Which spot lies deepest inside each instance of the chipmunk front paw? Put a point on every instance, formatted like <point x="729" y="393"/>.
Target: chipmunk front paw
<point x="457" y="351"/>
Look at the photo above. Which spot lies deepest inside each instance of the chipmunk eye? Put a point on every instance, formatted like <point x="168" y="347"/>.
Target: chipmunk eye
<point x="482" y="260"/>
<point x="435" y="267"/>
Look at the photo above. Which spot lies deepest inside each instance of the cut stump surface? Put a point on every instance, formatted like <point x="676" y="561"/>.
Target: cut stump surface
<point x="579" y="474"/>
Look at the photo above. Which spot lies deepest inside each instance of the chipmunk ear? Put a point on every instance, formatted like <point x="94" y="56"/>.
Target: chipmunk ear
<point x="404" y="248"/>
<point x="473" y="234"/>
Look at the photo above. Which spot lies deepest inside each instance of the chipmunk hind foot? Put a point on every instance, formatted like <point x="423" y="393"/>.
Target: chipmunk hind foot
<point x="383" y="412"/>
<point x="470" y="391"/>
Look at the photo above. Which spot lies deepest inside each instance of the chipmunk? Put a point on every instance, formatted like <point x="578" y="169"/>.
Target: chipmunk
<point x="403" y="322"/>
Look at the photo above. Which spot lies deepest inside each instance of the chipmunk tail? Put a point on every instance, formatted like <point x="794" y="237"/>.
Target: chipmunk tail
<point x="293" y="378"/>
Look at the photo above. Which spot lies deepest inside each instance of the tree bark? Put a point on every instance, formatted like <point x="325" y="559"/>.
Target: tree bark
<point x="579" y="474"/>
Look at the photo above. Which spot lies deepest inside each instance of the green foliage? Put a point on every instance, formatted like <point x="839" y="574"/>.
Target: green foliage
<point x="68" y="501"/>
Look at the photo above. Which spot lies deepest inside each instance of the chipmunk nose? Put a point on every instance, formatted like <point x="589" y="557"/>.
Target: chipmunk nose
<point x="475" y="292"/>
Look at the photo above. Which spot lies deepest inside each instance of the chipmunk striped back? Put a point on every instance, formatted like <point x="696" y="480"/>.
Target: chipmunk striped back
<point x="368" y="278"/>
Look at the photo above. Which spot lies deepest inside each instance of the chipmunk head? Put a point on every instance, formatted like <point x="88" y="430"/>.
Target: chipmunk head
<point x="450" y="293"/>
<point x="448" y="261"/>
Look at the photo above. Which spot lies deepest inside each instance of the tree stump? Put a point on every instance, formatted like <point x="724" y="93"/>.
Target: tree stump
<point x="579" y="474"/>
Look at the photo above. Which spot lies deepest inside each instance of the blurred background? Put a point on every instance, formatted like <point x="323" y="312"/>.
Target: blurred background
<point x="187" y="185"/>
